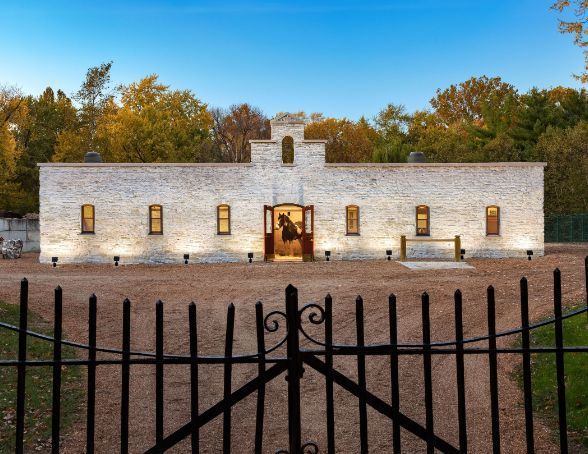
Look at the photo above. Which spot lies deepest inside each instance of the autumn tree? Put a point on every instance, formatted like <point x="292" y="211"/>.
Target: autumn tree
<point x="11" y="108"/>
<point x="156" y="124"/>
<point x="347" y="140"/>
<point x="234" y="127"/>
<point x="577" y="27"/>
<point x="464" y="103"/>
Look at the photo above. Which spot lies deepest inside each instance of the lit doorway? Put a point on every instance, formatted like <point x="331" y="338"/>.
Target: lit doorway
<point x="289" y="232"/>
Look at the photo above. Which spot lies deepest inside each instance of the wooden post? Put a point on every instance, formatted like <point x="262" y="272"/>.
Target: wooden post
<point x="457" y="248"/>
<point x="403" y="248"/>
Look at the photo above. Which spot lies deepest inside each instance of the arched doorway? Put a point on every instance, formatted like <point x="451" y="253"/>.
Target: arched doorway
<point x="288" y="232"/>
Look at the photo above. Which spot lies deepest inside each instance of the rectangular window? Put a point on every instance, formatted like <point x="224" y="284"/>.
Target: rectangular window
<point x="223" y="220"/>
<point x="87" y="218"/>
<point x="422" y="220"/>
<point x="352" y="220"/>
<point x="155" y="220"/>
<point x="492" y="220"/>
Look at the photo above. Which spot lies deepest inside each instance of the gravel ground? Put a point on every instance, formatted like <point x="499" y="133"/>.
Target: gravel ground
<point x="213" y="287"/>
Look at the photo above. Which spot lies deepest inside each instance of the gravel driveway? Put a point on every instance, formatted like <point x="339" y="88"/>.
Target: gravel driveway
<point x="213" y="287"/>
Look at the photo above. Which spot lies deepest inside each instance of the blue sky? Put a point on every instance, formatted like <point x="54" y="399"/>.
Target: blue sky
<point x="342" y="58"/>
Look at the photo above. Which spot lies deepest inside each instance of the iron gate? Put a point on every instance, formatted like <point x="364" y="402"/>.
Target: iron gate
<point x="316" y="353"/>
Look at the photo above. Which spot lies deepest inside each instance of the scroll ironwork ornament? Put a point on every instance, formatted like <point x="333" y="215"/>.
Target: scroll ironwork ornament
<point x="316" y="316"/>
<point x="310" y="447"/>
<point x="271" y="325"/>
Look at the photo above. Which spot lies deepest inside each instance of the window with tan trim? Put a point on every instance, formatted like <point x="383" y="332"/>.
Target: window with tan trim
<point x="422" y="220"/>
<point x="492" y="220"/>
<point x="223" y="220"/>
<point x="155" y="220"/>
<point x="352" y="215"/>
<point x="88" y="220"/>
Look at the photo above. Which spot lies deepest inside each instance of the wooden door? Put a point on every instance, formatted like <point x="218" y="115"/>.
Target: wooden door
<point x="308" y="233"/>
<point x="268" y="232"/>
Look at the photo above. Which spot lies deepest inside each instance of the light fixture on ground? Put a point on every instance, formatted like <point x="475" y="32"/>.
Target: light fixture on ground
<point x="462" y="252"/>
<point x="250" y="256"/>
<point x="389" y="254"/>
<point x="116" y="260"/>
<point x="529" y="253"/>
<point x="327" y="255"/>
<point x="186" y="258"/>
<point x="54" y="261"/>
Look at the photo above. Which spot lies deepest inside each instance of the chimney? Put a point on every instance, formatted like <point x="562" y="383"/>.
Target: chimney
<point x="92" y="157"/>
<point x="416" y="157"/>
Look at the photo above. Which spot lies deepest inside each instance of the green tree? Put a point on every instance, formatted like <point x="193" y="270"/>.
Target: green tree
<point x="94" y="96"/>
<point x="566" y="175"/>
<point x="392" y="125"/>
<point x="36" y="135"/>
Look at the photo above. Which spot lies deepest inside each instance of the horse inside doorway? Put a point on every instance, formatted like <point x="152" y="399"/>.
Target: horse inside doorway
<point x="288" y="232"/>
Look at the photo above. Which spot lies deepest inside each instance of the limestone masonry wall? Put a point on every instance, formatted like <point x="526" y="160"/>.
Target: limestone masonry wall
<point x="387" y="194"/>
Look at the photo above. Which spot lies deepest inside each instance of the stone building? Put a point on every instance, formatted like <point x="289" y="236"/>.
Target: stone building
<point x="157" y="212"/>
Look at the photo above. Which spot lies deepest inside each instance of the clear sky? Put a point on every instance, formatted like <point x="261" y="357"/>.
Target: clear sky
<point x="341" y="57"/>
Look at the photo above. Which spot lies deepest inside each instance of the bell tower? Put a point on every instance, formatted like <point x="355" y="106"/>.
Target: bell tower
<point x="286" y="125"/>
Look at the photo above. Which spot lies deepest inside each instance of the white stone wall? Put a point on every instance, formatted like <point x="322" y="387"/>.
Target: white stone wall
<point x="386" y="194"/>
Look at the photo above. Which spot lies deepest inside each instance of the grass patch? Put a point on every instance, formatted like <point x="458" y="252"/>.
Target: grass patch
<point x="38" y="386"/>
<point x="544" y="382"/>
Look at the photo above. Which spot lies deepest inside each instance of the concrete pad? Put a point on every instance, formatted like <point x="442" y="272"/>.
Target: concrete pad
<point x="437" y="265"/>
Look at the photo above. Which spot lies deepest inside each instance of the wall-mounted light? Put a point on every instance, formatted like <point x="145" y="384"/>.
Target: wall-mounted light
<point x="54" y="261"/>
<point x="186" y="258"/>
<point x="529" y="253"/>
<point x="389" y="254"/>
<point x="116" y="260"/>
<point x="250" y="256"/>
<point x="462" y="252"/>
<point x="327" y="255"/>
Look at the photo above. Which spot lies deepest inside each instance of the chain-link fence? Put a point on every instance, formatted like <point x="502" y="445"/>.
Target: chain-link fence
<point x="566" y="228"/>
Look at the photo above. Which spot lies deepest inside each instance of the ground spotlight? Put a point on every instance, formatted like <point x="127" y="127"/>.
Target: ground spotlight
<point x="389" y="253"/>
<point x="186" y="258"/>
<point x="116" y="260"/>
<point x="54" y="261"/>
<point x="462" y="252"/>
<point x="328" y="255"/>
<point x="250" y="256"/>
<point x="529" y="254"/>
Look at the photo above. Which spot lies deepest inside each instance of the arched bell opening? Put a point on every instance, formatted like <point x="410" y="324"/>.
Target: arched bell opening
<point x="288" y="150"/>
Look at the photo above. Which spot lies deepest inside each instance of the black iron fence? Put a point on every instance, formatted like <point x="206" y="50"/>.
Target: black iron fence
<point x="271" y="364"/>
<point x="566" y="228"/>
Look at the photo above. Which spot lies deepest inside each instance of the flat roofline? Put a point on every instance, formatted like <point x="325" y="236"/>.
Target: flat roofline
<point x="297" y="141"/>
<point x="144" y="164"/>
<point x="435" y="164"/>
<point x="328" y="164"/>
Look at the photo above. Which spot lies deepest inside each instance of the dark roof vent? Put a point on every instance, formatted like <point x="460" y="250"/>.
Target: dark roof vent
<point x="93" y="157"/>
<point x="416" y="157"/>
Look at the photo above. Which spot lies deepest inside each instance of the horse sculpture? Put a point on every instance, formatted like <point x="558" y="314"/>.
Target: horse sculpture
<point x="290" y="231"/>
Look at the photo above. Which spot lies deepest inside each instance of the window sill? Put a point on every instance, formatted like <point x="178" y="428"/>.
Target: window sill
<point x="87" y="233"/>
<point x="352" y="234"/>
<point x="156" y="233"/>
<point x="223" y="234"/>
<point x="496" y="235"/>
